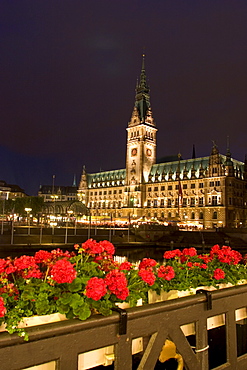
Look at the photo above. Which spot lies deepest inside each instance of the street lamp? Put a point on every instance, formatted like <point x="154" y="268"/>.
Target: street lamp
<point x="28" y="210"/>
<point x="66" y="230"/>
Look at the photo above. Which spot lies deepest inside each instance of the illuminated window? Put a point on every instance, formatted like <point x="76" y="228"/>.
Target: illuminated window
<point x="184" y="202"/>
<point x="200" y="201"/>
<point x="214" y="200"/>
<point x="192" y="202"/>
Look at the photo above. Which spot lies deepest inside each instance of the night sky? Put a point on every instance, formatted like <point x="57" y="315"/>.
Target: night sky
<point x="68" y="72"/>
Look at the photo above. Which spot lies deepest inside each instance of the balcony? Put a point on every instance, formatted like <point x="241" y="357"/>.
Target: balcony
<point x="187" y="321"/>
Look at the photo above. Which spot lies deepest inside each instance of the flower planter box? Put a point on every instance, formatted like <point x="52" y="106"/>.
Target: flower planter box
<point x="103" y="356"/>
<point x="89" y="280"/>
<point x="212" y="322"/>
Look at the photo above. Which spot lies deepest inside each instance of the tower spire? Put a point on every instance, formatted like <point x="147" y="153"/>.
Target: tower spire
<point x="228" y="152"/>
<point x="143" y="79"/>
<point x="142" y="98"/>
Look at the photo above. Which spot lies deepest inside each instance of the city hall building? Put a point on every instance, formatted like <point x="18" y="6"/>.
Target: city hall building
<point x="206" y="192"/>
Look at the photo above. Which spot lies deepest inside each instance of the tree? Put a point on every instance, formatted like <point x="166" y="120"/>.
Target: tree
<point x="18" y="205"/>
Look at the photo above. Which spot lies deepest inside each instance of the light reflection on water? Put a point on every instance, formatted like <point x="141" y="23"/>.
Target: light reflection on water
<point x="135" y="255"/>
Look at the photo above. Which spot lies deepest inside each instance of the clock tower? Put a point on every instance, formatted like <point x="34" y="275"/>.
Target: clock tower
<point x="141" y="142"/>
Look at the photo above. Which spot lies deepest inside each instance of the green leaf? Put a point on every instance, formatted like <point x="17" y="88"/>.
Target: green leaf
<point x="64" y="309"/>
<point x="82" y="312"/>
<point x="28" y="294"/>
<point x="76" y="301"/>
<point x="76" y="285"/>
<point x="66" y="298"/>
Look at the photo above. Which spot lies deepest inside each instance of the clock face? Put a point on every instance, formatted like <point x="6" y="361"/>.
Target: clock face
<point x="134" y="152"/>
<point x="149" y="152"/>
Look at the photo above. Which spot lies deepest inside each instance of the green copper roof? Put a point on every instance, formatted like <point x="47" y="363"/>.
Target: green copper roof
<point x="164" y="171"/>
<point x="109" y="178"/>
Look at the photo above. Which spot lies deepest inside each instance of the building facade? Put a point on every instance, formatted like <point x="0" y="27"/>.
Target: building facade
<point x="207" y="192"/>
<point x="56" y="193"/>
<point x="9" y="191"/>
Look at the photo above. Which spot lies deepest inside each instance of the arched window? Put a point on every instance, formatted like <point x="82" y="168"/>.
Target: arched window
<point x="215" y="215"/>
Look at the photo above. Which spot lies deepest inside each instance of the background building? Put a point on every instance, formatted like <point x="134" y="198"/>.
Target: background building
<point x="9" y="191"/>
<point x="205" y="192"/>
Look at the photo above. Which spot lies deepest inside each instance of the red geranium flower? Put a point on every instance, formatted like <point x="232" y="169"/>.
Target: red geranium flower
<point x="117" y="283"/>
<point x="2" y="307"/>
<point x="92" y="247"/>
<point x="171" y="254"/>
<point x="107" y="246"/>
<point x="126" y="265"/>
<point x="166" y="272"/>
<point x="219" y="274"/>
<point x="147" y="275"/>
<point x="147" y="262"/>
<point x="63" y="272"/>
<point x="96" y="288"/>
<point x="42" y="256"/>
